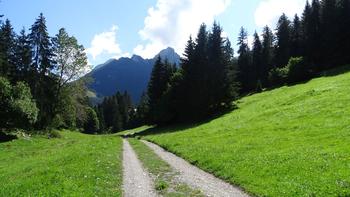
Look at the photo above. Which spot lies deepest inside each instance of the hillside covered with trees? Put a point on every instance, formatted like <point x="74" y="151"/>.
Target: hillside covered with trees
<point x="40" y="85"/>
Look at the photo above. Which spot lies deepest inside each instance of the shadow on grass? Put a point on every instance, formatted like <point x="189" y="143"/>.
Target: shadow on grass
<point x="6" y="137"/>
<point x="335" y="71"/>
<point x="327" y="73"/>
<point x="178" y="127"/>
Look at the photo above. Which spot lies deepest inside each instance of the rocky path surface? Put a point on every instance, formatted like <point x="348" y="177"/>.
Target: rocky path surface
<point x="136" y="181"/>
<point x="195" y="177"/>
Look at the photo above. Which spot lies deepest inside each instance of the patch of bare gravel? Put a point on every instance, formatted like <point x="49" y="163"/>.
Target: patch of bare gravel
<point x="136" y="181"/>
<point x="195" y="177"/>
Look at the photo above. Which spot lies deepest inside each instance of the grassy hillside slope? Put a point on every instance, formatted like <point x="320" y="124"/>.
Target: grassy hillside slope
<point x="74" y="165"/>
<point x="291" y="141"/>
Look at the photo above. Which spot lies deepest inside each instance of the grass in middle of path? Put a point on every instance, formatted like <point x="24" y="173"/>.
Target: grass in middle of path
<point x="162" y="173"/>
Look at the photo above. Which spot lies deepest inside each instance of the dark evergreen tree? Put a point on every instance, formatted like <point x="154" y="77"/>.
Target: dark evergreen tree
<point x="42" y="81"/>
<point x="267" y="55"/>
<point x="257" y="63"/>
<point x="244" y="63"/>
<point x="7" y="51"/>
<point x="23" y="55"/>
<point x="329" y="29"/>
<point x="41" y="46"/>
<point x="158" y="84"/>
<point x="311" y="34"/>
<point x="283" y="41"/>
<point x="296" y="48"/>
<point x="220" y="83"/>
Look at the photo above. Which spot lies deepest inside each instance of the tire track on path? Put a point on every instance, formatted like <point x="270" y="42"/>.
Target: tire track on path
<point x="136" y="181"/>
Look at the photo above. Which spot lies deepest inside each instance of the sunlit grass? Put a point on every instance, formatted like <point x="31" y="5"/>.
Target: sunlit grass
<point x="74" y="165"/>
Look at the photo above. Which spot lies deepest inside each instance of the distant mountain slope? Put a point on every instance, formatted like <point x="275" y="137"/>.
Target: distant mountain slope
<point x="130" y="74"/>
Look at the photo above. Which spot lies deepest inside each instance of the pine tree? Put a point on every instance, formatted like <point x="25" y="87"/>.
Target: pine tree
<point x="267" y="55"/>
<point x="329" y="29"/>
<point x="23" y="55"/>
<point x="220" y="83"/>
<point x="283" y="41"/>
<point x="257" y="61"/>
<point x="158" y="84"/>
<point x="296" y="49"/>
<point x="311" y="34"/>
<point x="244" y="63"/>
<point x="42" y="47"/>
<point x="195" y="76"/>
<point x="7" y="51"/>
<point x="231" y="86"/>
<point x="42" y="81"/>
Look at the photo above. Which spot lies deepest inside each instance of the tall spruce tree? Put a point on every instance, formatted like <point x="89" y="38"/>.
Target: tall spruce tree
<point x="283" y="41"/>
<point x="312" y="34"/>
<point x="296" y="49"/>
<point x="257" y="62"/>
<point x="158" y="84"/>
<point x="23" y="55"/>
<point x="244" y="63"/>
<point x="42" y="80"/>
<point x="267" y="54"/>
<point x="329" y="29"/>
<point x="7" y="51"/>
<point x="220" y="83"/>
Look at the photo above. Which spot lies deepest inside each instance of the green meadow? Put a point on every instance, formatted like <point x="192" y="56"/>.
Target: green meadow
<point x="73" y="165"/>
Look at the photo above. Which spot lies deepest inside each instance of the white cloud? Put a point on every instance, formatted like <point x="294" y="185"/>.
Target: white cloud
<point x="269" y="11"/>
<point x="105" y="43"/>
<point x="171" y="22"/>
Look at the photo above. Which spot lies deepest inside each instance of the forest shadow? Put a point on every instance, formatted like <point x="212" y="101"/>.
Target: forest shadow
<point x="6" y="137"/>
<point x="335" y="71"/>
<point x="178" y="127"/>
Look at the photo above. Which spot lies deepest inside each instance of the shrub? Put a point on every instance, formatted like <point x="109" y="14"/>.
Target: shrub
<point x="278" y="76"/>
<point x="17" y="107"/>
<point x="297" y="70"/>
<point x="53" y="134"/>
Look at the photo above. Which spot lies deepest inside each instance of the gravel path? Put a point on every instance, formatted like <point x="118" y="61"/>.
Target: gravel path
<point x="195" y="177"/>
<point x="136" y="181"/>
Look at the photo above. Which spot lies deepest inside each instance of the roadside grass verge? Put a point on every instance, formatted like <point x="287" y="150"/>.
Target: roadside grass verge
<point x="73" y="165"/>
<point x="291" y="141"/>
<point x="162" y="174"/>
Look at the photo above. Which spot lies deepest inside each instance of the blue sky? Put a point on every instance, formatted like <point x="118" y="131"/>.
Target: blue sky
<point x="115" y="28"/>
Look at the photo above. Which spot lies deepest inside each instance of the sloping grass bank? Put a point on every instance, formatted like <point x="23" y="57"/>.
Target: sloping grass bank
<point x="74" y="165"/>
<point x="291" y="141"/>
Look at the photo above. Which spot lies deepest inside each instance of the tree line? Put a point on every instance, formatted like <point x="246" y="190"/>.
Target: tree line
<point x="299" y="49"/>
<point x="210" y="78"/>
<point x="39" y="79"/>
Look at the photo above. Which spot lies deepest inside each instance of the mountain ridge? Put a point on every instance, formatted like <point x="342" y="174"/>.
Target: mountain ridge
<point x="126" y="74"/>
